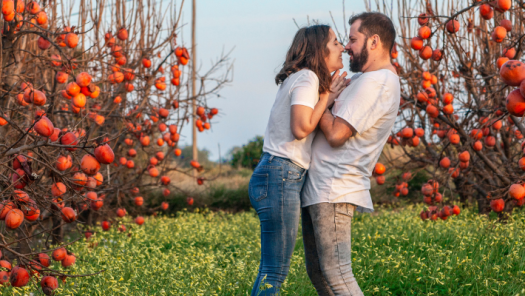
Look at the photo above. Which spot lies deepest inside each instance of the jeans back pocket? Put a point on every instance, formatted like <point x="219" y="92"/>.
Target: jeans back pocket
<point x="258" y="187"/>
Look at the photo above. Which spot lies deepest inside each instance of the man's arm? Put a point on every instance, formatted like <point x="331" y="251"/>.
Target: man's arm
<point x="336" y="130"/>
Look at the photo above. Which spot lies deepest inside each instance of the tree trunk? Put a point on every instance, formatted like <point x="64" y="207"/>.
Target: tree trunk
<point x="483" y="205"/>
<point x="58" y="232"/>
<point x="464" y="193"/>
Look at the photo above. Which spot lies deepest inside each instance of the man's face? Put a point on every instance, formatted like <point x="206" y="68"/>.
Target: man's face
<point x="357" y="48"/>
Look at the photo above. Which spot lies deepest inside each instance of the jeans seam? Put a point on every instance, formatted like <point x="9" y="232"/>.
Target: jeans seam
<point x="283" y="235"/>
<point x="338" y="251"/>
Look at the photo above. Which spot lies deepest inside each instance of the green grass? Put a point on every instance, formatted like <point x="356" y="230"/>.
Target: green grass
<point x="394" y="253"/>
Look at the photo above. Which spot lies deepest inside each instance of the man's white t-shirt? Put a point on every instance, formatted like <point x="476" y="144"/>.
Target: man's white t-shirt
<point x="342" y="175"/>
<point x="300" y="88"/>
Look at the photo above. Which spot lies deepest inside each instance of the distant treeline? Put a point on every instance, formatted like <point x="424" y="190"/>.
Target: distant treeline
<point x="248" y="156"/>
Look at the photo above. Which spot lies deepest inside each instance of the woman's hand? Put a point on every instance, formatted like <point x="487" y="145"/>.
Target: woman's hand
<point x="339" y="83"/>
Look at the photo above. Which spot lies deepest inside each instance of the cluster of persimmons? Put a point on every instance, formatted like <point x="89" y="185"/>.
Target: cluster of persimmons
<point x="82" y="145"/>
<point x="462" y="105"/>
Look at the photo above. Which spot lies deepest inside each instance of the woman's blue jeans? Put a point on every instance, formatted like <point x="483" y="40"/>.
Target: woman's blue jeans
<point x="274" y="190"/>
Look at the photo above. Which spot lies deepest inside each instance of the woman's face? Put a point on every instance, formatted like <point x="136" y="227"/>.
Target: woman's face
<point x="334" y="60"/>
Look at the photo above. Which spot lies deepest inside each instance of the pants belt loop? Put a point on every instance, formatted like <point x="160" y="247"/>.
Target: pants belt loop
<point x="271" y="157"/>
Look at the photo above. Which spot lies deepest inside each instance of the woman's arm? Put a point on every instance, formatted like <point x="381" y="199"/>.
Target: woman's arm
<point x="304" y="119"/>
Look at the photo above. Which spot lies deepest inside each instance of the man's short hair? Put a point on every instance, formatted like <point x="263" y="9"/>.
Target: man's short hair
<point x="376" y="23"/>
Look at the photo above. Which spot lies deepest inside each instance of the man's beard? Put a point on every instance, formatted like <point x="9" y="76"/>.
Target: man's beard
<point x="358" y="61"/>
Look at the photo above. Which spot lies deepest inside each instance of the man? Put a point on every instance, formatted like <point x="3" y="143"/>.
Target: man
<point x="345" y="153"/>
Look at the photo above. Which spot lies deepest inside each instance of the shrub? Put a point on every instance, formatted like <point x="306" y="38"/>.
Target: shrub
<point x="248" y="156"/>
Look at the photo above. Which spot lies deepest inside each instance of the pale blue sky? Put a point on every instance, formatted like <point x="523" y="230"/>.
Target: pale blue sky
<point x="261" y="32"/>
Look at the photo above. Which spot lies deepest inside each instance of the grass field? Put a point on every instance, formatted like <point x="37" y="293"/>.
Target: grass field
<point x="210" y="253"/>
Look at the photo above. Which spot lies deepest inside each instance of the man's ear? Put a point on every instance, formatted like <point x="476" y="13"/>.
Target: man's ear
<point x="374" y="44"/>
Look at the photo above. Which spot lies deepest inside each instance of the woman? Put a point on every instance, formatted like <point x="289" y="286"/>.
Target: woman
<point x="306" y="90"/>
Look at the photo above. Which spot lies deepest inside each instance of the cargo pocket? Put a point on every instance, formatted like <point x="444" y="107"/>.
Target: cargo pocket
<point x="345" y="211"/>
<point x="258" y="187"/>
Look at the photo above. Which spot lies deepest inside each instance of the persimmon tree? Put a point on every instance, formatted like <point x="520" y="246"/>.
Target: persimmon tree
<point x="461" y="112"/>
<point x="90" y="116"/>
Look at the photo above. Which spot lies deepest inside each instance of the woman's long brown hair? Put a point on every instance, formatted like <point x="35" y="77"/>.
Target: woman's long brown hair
<point x="308" y="50"/>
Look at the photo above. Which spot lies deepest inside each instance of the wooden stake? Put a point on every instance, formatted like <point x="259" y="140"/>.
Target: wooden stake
<point x="193" y="86"/>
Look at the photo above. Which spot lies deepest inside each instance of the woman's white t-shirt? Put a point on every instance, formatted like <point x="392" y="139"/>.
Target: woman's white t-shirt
<point x="300" y="88"/>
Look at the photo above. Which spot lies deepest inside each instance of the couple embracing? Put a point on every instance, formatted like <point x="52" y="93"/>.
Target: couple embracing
<point x="323" y="139"/>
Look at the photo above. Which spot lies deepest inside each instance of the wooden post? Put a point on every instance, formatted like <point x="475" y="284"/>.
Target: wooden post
<point x="193" y="86"/>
